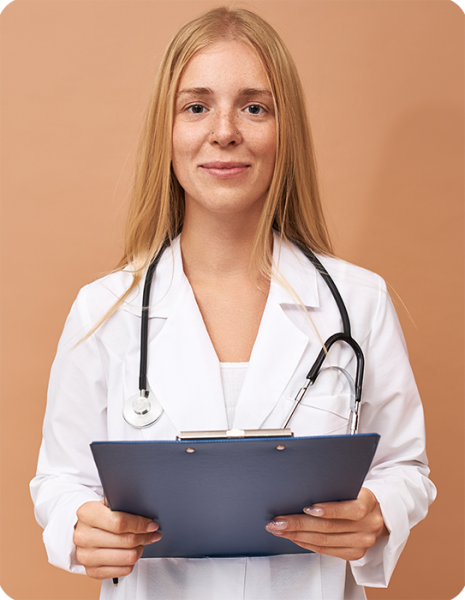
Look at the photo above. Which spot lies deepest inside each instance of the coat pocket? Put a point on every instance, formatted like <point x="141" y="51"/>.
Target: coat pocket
<point x="319" y="415"/>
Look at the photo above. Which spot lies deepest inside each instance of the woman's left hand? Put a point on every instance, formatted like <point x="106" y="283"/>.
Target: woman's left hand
<point x="343" y="529"/>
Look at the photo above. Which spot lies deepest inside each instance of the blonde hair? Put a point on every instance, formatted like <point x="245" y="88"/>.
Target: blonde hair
<point x="293" y="206"/>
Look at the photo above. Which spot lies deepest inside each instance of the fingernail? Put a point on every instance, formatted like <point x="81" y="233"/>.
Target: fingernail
<point x="155" y="537"/>
<point x="152" y="527"/>
<point x="315" y="511"/>
<point x="279" y="524"/>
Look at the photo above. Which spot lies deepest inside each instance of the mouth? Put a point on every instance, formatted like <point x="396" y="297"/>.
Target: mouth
<point x="224" y="169"/>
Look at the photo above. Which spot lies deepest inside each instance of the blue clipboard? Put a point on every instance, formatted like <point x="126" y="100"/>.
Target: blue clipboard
<point x="213" y="498"/>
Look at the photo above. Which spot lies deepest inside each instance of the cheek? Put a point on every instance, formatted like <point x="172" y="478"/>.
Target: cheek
<point x="266" y="149"/>
<point x="265" y="143"/>
<point x="181" y="152"/>
<point x="177" y="145"/>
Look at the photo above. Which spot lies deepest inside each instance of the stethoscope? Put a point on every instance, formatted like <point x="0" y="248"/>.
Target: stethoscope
<point x="143" y="409"/>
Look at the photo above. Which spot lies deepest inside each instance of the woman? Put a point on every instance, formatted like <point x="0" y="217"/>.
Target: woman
<point x="237" y="315"/>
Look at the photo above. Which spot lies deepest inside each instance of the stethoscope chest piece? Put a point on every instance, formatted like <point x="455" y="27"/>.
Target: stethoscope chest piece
<point x="142" y="410"/>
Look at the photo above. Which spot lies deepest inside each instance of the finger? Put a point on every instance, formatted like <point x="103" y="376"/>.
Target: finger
<point x="104" y="557"/>
<point x="352" y="510"/>
<point x="372" y="523"/>
<point x="96" y="514"/>
<point x="344" y="553"/>
<point x="361" y="540"/>
<point x="92" y="537"/>
<point x="305" y="522"/>
<point x="101" y="573"/>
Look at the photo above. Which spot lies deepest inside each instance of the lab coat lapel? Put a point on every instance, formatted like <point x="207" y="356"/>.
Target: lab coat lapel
<point x="277" y="351"/>
<point x="183" y="368"/>
<point x="280" y="344"/>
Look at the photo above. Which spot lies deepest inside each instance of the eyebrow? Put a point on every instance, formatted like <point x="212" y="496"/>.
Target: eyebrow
<point x="202" y="91"/>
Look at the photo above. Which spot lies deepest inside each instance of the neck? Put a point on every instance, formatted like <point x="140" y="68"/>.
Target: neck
<point x="218" y="246"/>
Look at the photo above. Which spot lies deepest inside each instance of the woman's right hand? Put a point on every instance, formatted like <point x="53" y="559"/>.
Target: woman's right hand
<point x="109" y="543"/>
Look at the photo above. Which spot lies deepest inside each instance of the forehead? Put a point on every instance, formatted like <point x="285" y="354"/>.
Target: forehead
<point x="227" y="63"/>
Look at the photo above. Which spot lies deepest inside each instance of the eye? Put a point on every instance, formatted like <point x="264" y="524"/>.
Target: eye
<point x="196" y="109"/>
<point x="255" y="109"/>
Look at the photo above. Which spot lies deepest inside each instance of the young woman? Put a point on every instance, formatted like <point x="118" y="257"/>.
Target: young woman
<point x="226" y="174"/>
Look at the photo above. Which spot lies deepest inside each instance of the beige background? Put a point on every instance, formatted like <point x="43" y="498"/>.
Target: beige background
<point x="384" y="83"/>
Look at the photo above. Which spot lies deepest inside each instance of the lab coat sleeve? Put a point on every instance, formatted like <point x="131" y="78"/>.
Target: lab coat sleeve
<point x="75" y="416"/>
<point x="399" y="474"/>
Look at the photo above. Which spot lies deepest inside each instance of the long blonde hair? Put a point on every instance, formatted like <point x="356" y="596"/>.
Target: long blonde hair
<point x="293" y="206"/>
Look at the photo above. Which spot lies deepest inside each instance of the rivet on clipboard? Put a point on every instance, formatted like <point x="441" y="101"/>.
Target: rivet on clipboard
<point x="280" y="447"/>
<point x="190" y="450"/>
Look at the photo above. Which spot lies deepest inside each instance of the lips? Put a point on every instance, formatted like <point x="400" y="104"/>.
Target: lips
<point x="224" y="169"/>
<point x="224" y="165"/>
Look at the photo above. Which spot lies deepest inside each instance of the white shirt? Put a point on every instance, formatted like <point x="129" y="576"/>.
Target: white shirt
<point x="90" y="383"/>
<point x="232" y="378"/>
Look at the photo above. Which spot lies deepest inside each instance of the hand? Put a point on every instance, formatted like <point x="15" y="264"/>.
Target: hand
<point x="343" y="529"/>
<point x="109" y="543"/>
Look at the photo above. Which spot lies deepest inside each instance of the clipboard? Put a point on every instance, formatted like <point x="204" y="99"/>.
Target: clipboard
<point x="213" y="497"/>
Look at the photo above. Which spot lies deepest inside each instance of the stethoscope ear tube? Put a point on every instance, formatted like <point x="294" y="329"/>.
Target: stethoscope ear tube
<point x="316" y="370"/>
<point x="345" y="336"/>
<point x="340" y="337"/>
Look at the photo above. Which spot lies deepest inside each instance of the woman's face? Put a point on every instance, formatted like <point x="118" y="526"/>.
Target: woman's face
<point x="224" y="132"/>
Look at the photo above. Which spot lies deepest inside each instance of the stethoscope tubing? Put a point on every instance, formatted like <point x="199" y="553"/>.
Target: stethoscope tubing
<point x="331" y="285"/>
<point x="344" y="336"/>
<point x="144" y="326"/>
<point x="340" y="337"/>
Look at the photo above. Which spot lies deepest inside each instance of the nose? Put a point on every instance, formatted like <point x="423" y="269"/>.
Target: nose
<point x="224" y="130"/>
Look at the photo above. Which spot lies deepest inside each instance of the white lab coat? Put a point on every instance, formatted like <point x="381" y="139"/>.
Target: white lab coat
<point x="90" y="383"/>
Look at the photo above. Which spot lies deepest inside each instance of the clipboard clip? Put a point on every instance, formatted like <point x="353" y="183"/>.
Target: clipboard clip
<point x="234" y="434"/>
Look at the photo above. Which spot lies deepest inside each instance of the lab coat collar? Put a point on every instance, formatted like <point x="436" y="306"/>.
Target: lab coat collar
<point x="299" y="273"/>
<point x="183" y="369"/>
<point x="167" y="281"/>
<point x="288" y="263"/>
